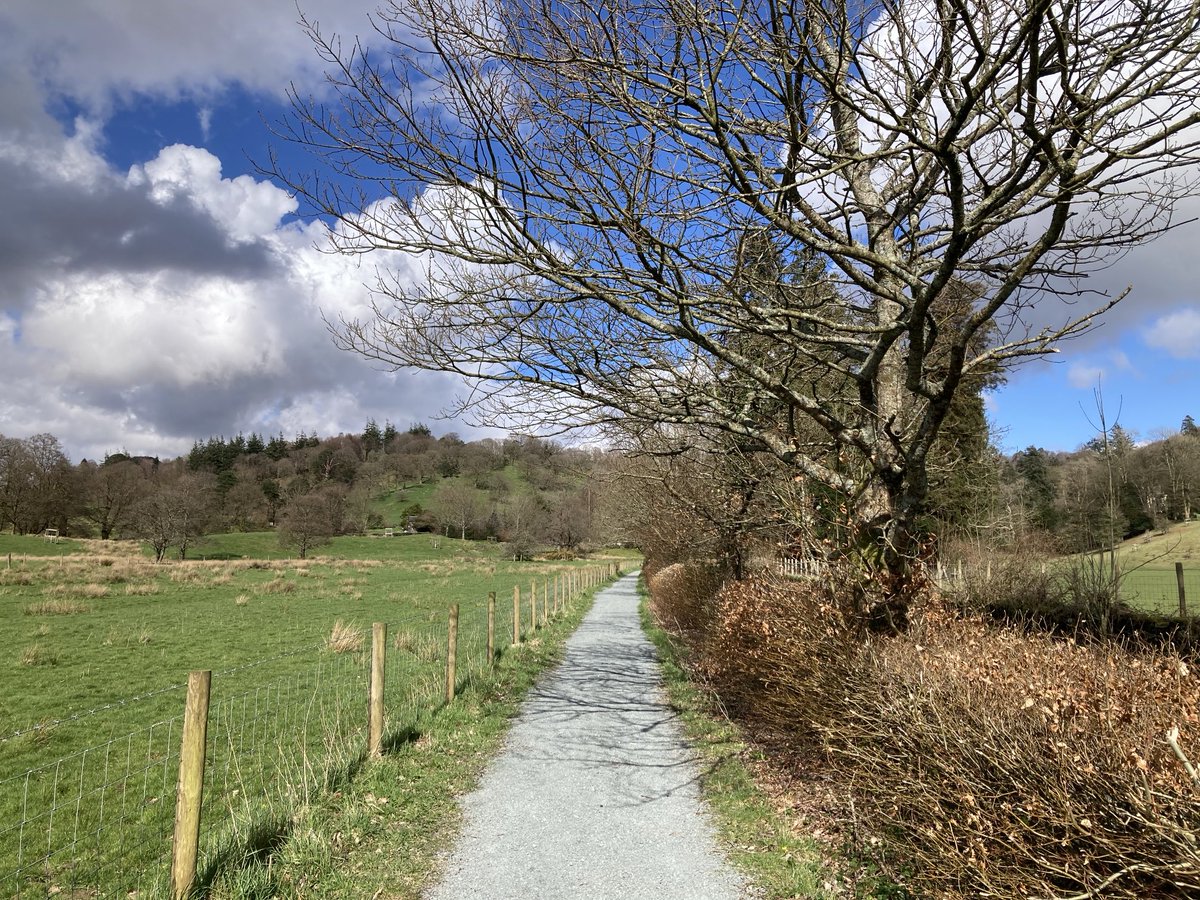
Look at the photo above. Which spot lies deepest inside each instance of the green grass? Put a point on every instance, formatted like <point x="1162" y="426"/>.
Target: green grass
<point x="21" y="545"/>
<point x="400" y="548"/>
<point x="392" y="504"/>
<point x="385" y="833"/>
<point x="1147" y="566"/>
<point x="82" y="637"/>
<point x="759" y="840"/>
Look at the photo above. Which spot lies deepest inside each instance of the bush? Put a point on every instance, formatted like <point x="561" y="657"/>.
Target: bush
<point x="779" y="652"/>
<point x="997" y="762"/>
<point x="681" y="596"/>
<point x="1020" y="765"/>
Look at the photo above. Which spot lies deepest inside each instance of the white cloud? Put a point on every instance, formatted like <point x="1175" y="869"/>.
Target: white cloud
<point x="146" y="358"/>
<point x="204" y="118"/>
<point x="1083" y="375"/>
<point x="93" y="50"/>
<point x="246" y="208"/>
<point x="1178" y="333"/>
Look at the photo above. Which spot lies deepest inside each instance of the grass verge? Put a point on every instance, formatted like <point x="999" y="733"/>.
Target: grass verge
<point x="758" y="838"/>
<point x="386" y="832"/>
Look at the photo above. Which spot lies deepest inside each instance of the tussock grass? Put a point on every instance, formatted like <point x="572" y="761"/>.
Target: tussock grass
<point x="346" y="637"/>
<point x="56" y="607"/>
<point x="145" y="589"/>
<point x="278" y="586"/>
<point x="37" y="655"/>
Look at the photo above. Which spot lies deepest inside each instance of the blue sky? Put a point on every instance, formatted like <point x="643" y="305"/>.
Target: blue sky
<point x="155" y="288"/>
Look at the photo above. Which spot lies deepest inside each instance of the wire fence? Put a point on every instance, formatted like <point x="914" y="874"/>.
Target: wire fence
<point x="104" y="821"/>
<point x="1168" y="592"/>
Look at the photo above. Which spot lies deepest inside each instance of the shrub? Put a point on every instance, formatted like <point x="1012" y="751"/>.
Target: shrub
<point x="682" y="596"/>
<point x="780" y="652"/>
<point x="1015" y="765"/>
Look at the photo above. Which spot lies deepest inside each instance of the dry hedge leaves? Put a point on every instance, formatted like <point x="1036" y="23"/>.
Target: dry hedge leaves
<point x="1000" y="763"/>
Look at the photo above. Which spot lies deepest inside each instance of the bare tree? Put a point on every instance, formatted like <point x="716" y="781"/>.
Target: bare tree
<point x="311" y="520"/>
<point x="175" y="513"/>
<point x="457" y="504"/>
<point x="590" y="184"/>
<point x="111" y="491"/>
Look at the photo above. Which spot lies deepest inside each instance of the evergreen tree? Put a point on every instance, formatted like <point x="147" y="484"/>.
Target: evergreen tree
<point x="277" y="447"/>
<point x="372" y="438"/>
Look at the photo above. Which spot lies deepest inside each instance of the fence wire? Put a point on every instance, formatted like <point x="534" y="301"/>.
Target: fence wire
<point x="99" y="822"/>
<point x="95" y="823"/>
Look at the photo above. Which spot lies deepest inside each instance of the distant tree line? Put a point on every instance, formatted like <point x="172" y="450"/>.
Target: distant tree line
<point x="525" y="491"/>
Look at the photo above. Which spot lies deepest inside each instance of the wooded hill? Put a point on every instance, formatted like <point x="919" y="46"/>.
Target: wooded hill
<point x="525" y="491"/>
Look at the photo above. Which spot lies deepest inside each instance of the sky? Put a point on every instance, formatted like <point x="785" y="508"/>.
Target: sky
<point x="155" y="288"/>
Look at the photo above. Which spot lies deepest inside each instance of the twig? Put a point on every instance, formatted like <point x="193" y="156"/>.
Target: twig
<point x="1173" y="740"/>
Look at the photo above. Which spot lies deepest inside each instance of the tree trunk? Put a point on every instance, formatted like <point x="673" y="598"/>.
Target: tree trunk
<point x="887" y="544"/>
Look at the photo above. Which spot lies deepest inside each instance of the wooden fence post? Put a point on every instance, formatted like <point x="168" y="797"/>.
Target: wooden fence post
<point x="1182" y="594"/>
<point x="545" y="603"/>
<point x="452" y="654"/>
<point x="190" y="791"/>
<point x="491" y="640"/>
<point x="375" y="688"/>
<point x="532" y="607"/>
<point x="516" y="615"/>
<point x="557" y="578"/>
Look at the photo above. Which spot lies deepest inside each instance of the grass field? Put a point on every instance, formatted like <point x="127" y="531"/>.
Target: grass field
<point x="97" y="643"/>
<point x="1147" y="566"/>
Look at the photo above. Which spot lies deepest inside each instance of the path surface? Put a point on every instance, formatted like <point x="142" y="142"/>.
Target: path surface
<point x="595" y="794"/>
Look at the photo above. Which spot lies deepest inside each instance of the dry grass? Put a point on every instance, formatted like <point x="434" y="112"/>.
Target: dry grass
<point x="345" y="638"/>
<point x="278" y="585"/>
<point x="241" y="599"/>
<point x="405" y="642"/>
<point x="128" y="637"/>
<point x="188" y="573"/>
<point x="37" y="655"/>
<point x="144" y="589"/>
<point x="56" y="607"/>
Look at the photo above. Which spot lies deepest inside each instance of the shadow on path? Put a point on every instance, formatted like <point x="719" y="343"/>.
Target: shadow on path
<point x="595" y="794"/>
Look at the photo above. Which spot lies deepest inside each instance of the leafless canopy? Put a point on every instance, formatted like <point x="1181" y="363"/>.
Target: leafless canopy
<point x="746" y="216"/>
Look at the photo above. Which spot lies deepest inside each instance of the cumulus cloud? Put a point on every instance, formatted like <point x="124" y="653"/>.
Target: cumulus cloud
<point x="1178" y="333"/>
<point x="141" y="309"/>
<point x="180" y="303"/>
<point x="1084" y="375"/>
<point x="95" y="50"/>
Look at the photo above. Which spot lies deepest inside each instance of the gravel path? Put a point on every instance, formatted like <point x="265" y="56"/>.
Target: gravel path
<point x="595" y="794"/>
